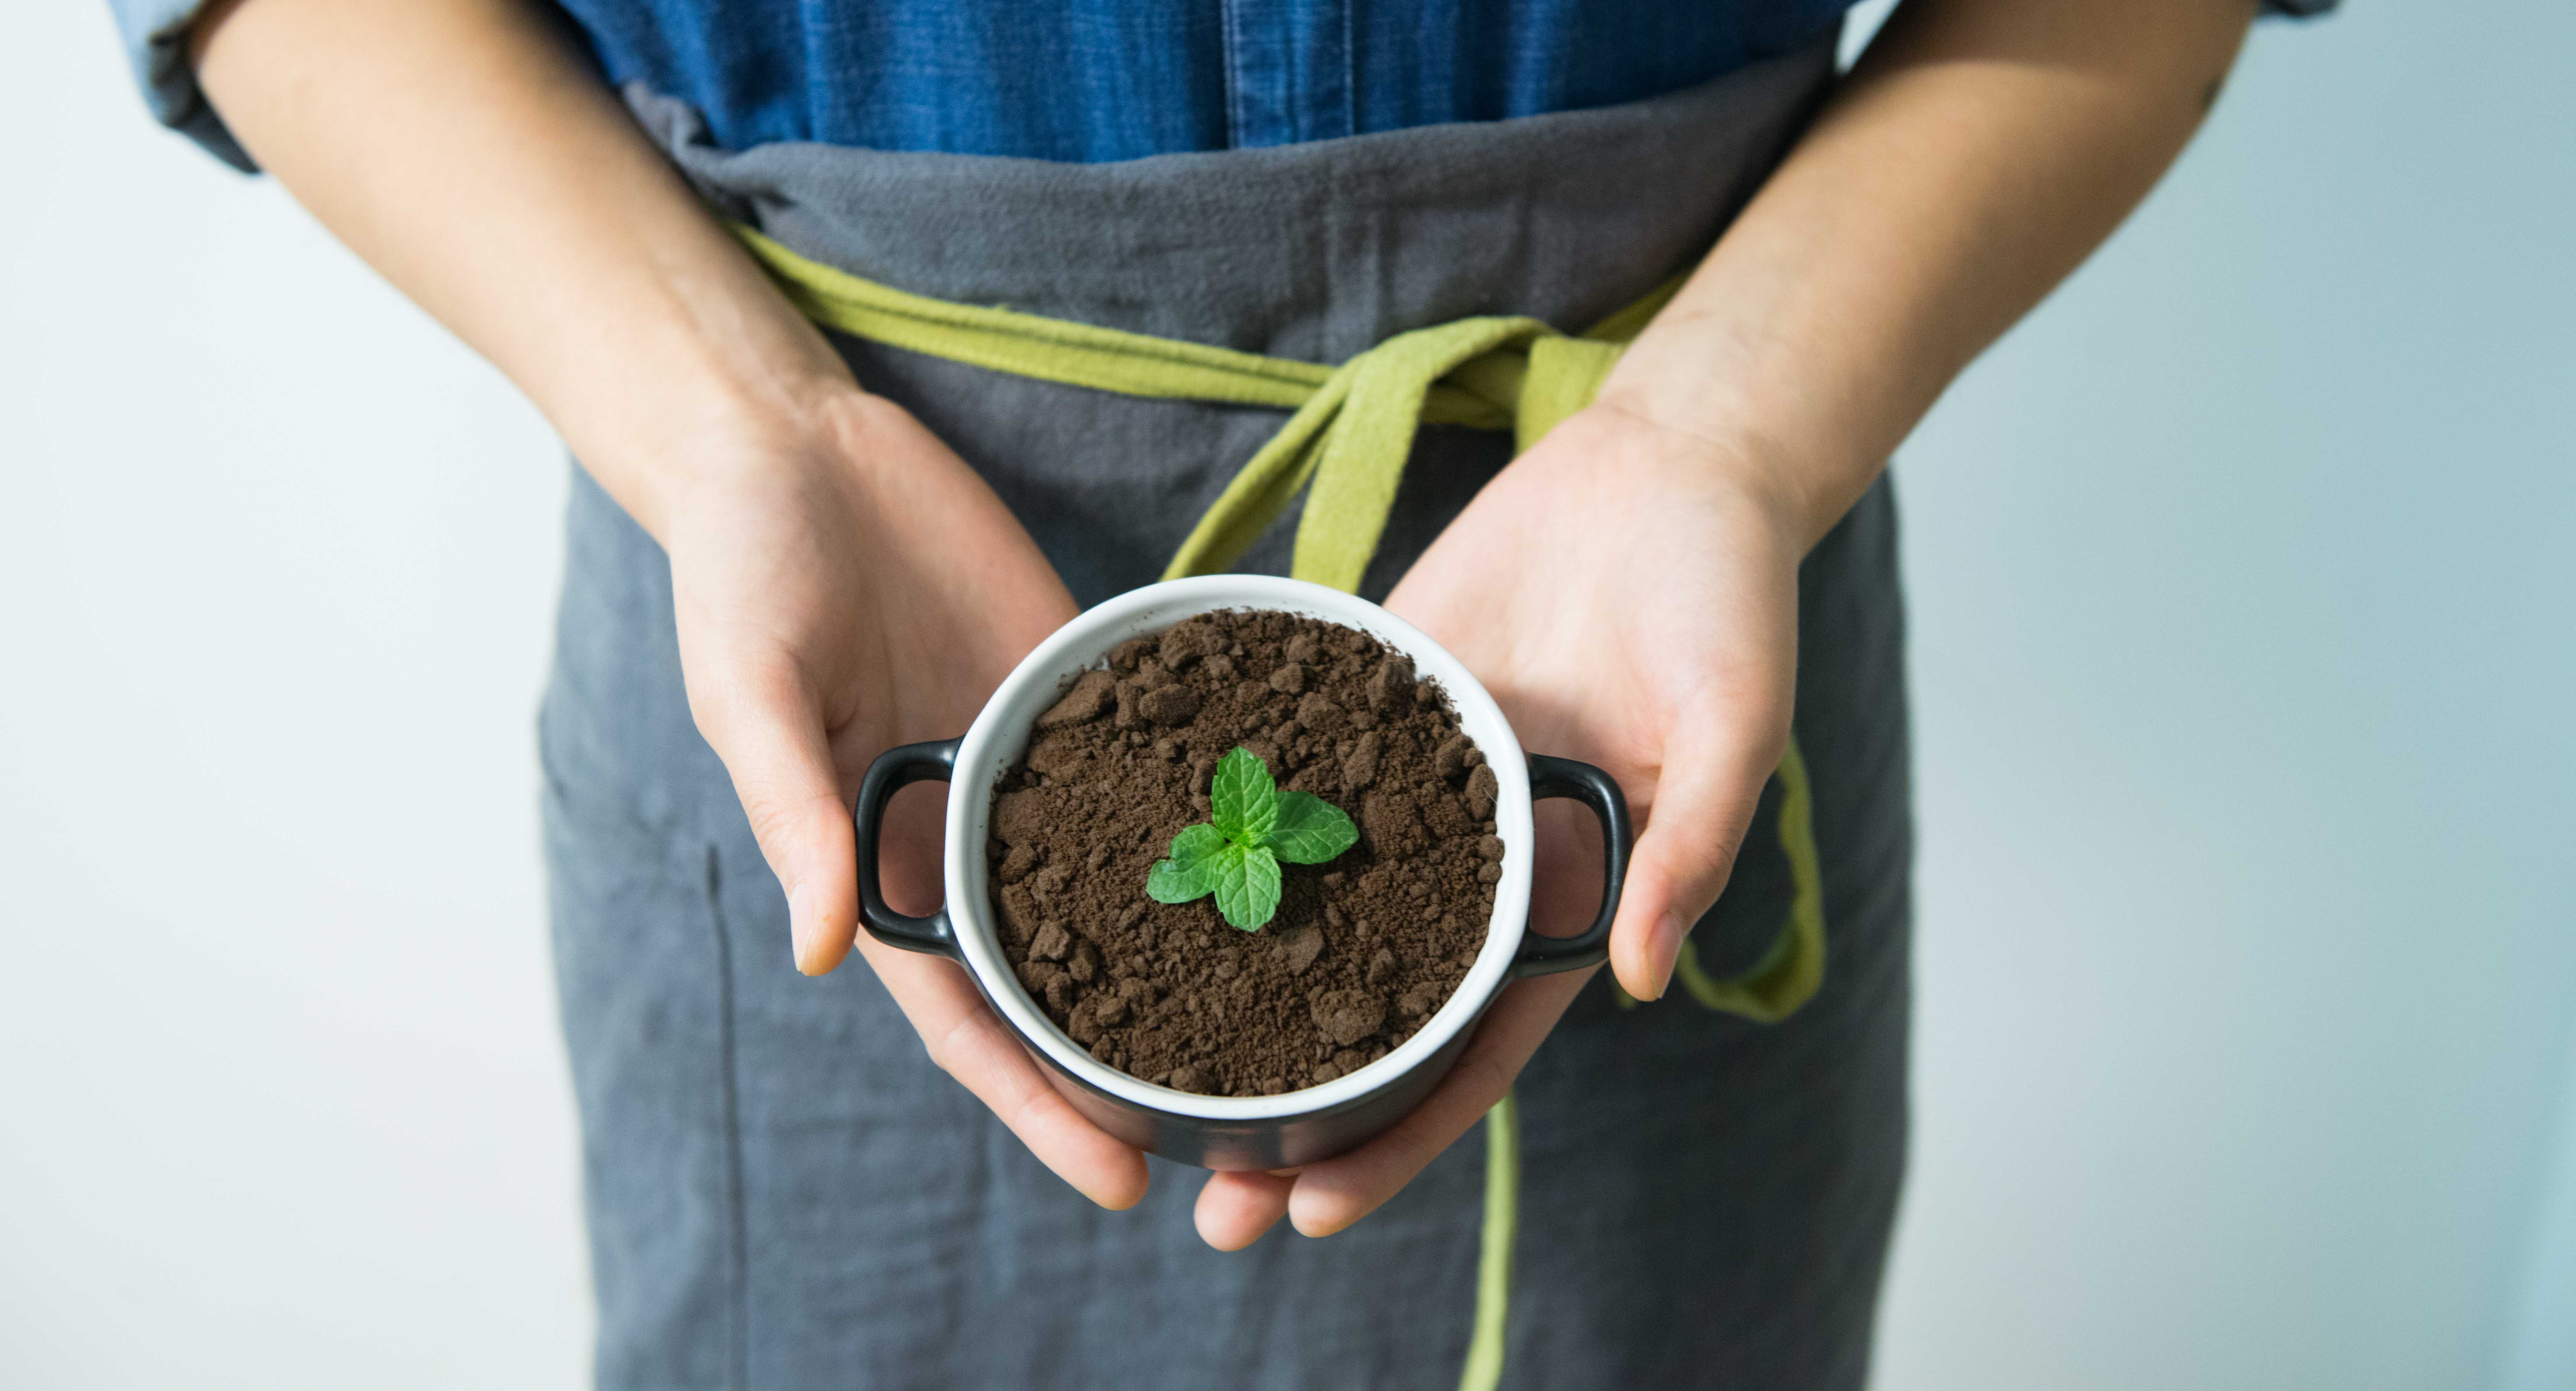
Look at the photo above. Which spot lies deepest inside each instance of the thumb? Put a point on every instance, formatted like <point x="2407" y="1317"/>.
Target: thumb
<point x="1703" y="807"/>
<point x="769" y="732"/>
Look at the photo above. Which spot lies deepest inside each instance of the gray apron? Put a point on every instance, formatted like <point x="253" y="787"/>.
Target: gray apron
<point x="783" y="1191"/>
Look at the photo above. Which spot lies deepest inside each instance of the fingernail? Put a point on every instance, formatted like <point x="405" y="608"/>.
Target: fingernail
<point x="803" y="932"/>
<point x="1663" y="952"/>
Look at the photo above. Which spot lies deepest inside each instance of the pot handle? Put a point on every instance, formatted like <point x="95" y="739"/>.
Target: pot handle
<point x="1564" y="777"/>
<point x="897" y="768"/>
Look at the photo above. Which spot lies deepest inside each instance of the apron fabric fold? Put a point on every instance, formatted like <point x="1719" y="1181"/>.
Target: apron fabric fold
<point x="784" y="1192"/>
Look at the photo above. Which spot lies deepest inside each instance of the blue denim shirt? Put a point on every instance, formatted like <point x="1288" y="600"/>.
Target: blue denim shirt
<point x="1097" y="80"/>
<point x="1094" y="80"/>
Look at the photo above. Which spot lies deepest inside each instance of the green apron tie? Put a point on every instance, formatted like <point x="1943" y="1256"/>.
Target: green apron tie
<point x="1352" y="437"/>
<point x="1348" y="439"/>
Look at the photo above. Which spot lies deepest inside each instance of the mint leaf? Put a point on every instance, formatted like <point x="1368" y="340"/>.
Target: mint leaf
<point x="1247" y="887"/>
<point x="1191" y="871"/>
<point x="1310" y="830"/>
<point x="1244" y="799"/>
<point x="1236" y="854"/>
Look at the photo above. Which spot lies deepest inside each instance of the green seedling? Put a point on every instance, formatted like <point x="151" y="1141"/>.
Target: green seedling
<point x="1236" y="854"/>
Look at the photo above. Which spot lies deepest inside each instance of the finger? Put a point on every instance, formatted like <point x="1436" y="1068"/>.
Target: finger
<point x="1702" y="809"/>
<point x="971" y="1044"/>
<point x="1338" y="1192"/>
<point x="1236" y="1208"/>
<point x="768" y="729"/>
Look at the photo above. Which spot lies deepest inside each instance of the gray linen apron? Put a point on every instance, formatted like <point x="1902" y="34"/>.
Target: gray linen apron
<point x="784" y="1193"/>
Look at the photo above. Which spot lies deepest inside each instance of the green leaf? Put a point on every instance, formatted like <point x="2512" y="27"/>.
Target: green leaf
<point x="1245" y="800"/>
<point x="1310" y="830"/>
<point x="1236" y="855"/>
<point x="1247" y="887"/>
<point x="1191" y="872"/>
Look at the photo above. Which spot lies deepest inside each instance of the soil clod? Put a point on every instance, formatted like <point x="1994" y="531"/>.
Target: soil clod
<point x="1391" y="686"/>
<point x="1347" y="1016"/>
<point x="1299" y="948"/>
<point x="1083" y="704"/>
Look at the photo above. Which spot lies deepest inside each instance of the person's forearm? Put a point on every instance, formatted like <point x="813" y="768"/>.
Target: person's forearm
<point x="466" y="153"/>
<point x="1978" y="152"/>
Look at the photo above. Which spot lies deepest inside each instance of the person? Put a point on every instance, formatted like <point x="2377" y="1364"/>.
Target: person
<point x="790" y="549"/>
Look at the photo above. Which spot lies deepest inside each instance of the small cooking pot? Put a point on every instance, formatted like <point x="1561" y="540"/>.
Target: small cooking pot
<point x="1232" y="1132"/>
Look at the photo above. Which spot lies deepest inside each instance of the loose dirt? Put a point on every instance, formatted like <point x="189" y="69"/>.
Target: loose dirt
<point x="1362" y="950"/>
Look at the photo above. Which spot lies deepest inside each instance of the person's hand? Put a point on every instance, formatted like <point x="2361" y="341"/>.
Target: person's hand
<point x="1629" y="595"/>
<point x="841" y="588"/>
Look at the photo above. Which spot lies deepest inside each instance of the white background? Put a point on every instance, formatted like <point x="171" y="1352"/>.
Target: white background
<point x="2242" y="583"/>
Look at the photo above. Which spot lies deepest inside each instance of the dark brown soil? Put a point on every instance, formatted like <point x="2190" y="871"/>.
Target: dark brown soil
<point x="1362" y="950"/>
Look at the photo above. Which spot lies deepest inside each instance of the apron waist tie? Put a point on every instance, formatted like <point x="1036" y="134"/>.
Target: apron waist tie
<point x="1349" y="435"/>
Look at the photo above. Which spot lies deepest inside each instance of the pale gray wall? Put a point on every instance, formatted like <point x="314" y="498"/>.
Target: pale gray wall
<point x="2242" y="588"/>
<point x="2244" y="582"/>
<point x="281" y="1100"/>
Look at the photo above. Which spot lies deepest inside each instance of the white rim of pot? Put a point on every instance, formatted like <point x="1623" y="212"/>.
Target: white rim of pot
<point x="1000" y="735"/>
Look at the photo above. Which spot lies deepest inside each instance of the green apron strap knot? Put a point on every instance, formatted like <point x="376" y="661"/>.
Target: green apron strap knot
<point x="1265" y="486"/>
<point x="1352" y="437"/>
<point x="1365" y="448"/>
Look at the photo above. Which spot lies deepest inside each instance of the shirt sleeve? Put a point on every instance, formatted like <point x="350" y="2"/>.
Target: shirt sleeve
<point x="156" y="44"/>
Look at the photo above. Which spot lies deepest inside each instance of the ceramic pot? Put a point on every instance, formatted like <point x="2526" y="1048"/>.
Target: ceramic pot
<point x="1232" y="1132"/>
